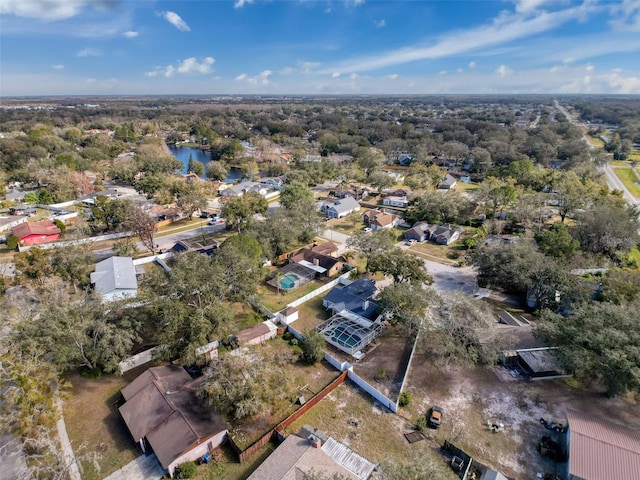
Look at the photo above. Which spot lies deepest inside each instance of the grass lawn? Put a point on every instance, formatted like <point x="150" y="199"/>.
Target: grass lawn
<point x="311" y="314"/>
<point x="276" y="302"/>
<point x="351" y="417"/>
<point x="466" y="187"/>
<point x="348" y="225"/>
<point x="634" y="256"/>
<point x="595" y="141"/>
<point x="94" y="424"/>
<point x="225" y="464"/>
<point x="447" y="254"/>
<point x="630" y="178"/>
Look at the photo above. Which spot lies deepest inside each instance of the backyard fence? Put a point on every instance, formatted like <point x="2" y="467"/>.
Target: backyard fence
<point x="408" y="367"/>
<point x="139" y="359"/>
<point x="354" y="377"/>
<point x="276" y="432"/>
<point x="319" y="290"/>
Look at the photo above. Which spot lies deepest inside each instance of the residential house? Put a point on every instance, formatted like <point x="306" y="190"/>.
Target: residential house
<point x="115" y="279"/>
<point x="32" y="233"/>
<point x="396" y="201"/>
<point x="327" y="248"/>
<point x="310" y="453"/>
<point x="162" y="410"/>
<point x="341" y="208"/>
<point x="356" y="298"/>
<point x="601" y="450"/>
<point x="442" y="234"/>
<point x="7" y="223"/>
<point x="448" y="183"/>
<point x="404" y="159"/>
<point x="194" y="245"/>
<point x="90" y="199"/>
<point x="25" y="210"/>
<point x="241" y="189"/>
<point x="323" y="265"/>
<point x="16" y="194"/>
<point x="257" y="334"/>
<point x="376" y="219"/>
<point x="395" y="176"/>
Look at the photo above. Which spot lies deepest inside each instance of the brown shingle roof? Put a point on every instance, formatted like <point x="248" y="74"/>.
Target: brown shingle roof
<point x="600" y="450"/>
<point x="326" y="248"/>
<point x="45" y="227"/>
<point x="250" y="333"/>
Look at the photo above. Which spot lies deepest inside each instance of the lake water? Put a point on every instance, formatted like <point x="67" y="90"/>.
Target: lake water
<point x="202" y="156"/>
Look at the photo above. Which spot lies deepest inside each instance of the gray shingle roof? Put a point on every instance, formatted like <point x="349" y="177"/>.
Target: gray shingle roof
<point x="114" y="273"/>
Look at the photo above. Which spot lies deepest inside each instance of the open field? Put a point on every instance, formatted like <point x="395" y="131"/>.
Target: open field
<point x="351" y="417"/>
<point x="471" y="396"/>
<point x="595" y="141"/>
<point x="447" y="254"/>
<point x="94" y="424"/>
<point x="348" y="225"/>
<point x="630" y="178"/>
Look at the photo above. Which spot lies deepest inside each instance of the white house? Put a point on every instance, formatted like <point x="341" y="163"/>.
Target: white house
<point x="115" y="279"/>
<point x="396" y="201"/>
<point x="341" y="208"/>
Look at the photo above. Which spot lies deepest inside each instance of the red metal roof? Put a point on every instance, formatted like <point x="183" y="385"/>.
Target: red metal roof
<point x="45" y="227"/>
<point x="601" y="450"/>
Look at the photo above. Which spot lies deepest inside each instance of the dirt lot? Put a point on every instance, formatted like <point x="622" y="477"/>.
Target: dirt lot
<point x="471" y="397"/>
<point x="384" y="364"/>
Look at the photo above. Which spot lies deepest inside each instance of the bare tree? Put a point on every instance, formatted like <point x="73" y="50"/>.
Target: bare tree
<point x="144" y="226"/>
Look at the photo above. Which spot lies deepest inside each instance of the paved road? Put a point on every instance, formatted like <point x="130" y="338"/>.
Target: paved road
<point x="615" y="184"/>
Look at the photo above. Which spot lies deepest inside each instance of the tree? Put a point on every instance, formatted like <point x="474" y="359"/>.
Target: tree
<point x="217" y="170"/>
<point x="464" y="332"/>
<point x="295" y="193"/>
<point x="557" y="241"/>
<point x="600" y="341"/>
<point x="79" y="332"/>
<point x="402" y="266"/>
<point x="142" y="225"/>
<point x="45" y="197"/>
<point x="150" y="183"/>
<point x="189" y="196"/>
<point x="369" y="159"/>
<point x="238" y="210"/>
<point x="313" y="345"/>
<point x="240" y="259"/>
<point x="407" y="304"/>
<point x="434" y="207"/>
<point x="368" y="244"/>
<point x="608" y="228"/>
<point x="241" y="385"/>
<point x="35" y="264"/>
<point x="195" y="166"/>
<point x="380" y="180"/>
<point x="572" y="194"/>
<point x="189" y="304"/>
<point x="621" y="285"/>
<point x="110" y="214"/>
<point x="12" y="242"/>
<point x="72" y="264"/>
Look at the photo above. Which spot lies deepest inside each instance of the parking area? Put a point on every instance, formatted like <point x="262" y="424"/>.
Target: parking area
<point x="145" y="467"/>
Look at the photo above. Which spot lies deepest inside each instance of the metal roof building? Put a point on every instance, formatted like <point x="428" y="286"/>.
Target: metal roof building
<point x="601" y="450"/>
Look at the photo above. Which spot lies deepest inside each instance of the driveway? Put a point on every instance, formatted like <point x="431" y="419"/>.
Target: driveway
<point x="447" y="278"/>
<point x="145" y="467"/>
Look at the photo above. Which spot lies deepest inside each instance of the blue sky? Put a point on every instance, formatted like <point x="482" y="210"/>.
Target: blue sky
<point x="111" y="47"/>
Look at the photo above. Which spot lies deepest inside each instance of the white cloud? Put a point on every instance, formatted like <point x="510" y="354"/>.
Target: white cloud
<point x="261" y="79"/>
<point x="504" y="71"/>
<point x="58" y="67"/>
<point x="286" y="71"/>
<point x="393" y="76"/>
<point x="353" y="76"/>
<point x="380" y="23"/>
<point x="528" y="6"/>
<point x="506" y="27"/>
<point x="442" y="72"/>
<point x="174" y="19"/>
<point x="622" y="84"/>
<point x="242" y="3"/>
<point x="188" y="66"/>
<point x="89" y="52"/>
<point x="307" y="67"/>
<point x="472" y="65"/>
<point x="589" y="67"/>
<point x="130" y="34"/>
<point x="335" y="74"/>
<point x="627" y="15"/>
<point x="460" y="70"/>
<point x="568" y="61"/>
<point x="48" y="10"/>
<point x="353" y="3"/>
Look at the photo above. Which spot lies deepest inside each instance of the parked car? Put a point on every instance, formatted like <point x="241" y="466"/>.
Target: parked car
<point x="435" y="418"/>
<point x="216" y="221"/>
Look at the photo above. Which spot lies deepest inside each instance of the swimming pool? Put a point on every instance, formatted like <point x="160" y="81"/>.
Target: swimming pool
<point x="288" y="281"/>
<point x="342" y="336"/>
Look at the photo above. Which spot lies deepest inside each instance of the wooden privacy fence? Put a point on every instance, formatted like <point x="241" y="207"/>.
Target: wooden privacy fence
<point x="266" y="438"/>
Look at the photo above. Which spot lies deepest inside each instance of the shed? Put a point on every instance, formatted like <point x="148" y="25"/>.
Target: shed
<point x="258" y="333"/>
<point x="288" y="315"/>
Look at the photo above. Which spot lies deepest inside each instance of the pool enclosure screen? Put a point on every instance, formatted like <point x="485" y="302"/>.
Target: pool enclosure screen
<point x="349" y="332"/>
<point x="291" y="277"/>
